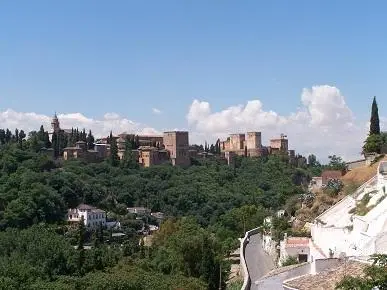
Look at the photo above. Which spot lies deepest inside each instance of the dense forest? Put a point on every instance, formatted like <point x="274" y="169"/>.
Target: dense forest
<point x="208" y="205"/>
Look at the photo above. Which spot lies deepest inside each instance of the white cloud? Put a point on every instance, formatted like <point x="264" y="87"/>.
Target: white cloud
<point x="156" y="111"/>
<point x="100" y="127"/>
<point x="238" y="117"/>
<point x="326" y="106"/>
<point x="323" y="125"/>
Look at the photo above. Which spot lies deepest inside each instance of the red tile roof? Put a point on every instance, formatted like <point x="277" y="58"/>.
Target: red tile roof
<point x="327" y="280"/>
<point x="297" y="242"/>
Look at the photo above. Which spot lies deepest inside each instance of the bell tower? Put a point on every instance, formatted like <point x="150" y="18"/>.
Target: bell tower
<point x="55" y="124"/>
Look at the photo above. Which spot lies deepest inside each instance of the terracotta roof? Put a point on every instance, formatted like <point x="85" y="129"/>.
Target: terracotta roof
<point x="327" y="280"/>
<point x="297" y="242"/>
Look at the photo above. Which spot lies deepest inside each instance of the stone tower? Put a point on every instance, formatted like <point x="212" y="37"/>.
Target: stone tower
<point x="254" y="140"/>
<point x="55" y="124"/>
<point x="177" y="143"/>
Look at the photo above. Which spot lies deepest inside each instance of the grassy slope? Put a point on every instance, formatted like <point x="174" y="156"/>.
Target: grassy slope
<point x="362" y="174"/>
<point x="352" y="180"/>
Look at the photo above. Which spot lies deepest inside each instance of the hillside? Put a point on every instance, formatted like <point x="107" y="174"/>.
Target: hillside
<point x="209" y="204"/>
<point x="323" y="200"/>
<point x="362" y="174"/>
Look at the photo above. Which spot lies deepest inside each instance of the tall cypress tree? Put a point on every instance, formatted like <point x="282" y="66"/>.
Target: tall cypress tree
<point x="113" y="150"/>
<point x="374" y="126"/>
<point x="22" y="135"/>
<point x="90" y="141"/>
<point x="55" y="143"/>
<point x="41" y="133"/>
<point x="83" y="135"/>
<point x="47" y="142"/>
<point x="81" y="248"/>
<point x="17" y="135"/>
<point x="2" y="136"/>
<point x="8" y="136"/>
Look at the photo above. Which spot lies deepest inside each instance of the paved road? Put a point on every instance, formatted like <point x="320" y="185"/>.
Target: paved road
<point x="258" y="262"/>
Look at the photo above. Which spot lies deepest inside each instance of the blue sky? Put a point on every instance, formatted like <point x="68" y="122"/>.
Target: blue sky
<point x="128" y="57"/>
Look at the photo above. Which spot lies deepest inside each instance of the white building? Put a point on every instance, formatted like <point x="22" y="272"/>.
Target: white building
<point x="139" y="210"/>
<point x="158" y="215"/>
<point x="281" y="213"/>
<point x="92" y="216"/>
<point x="357" y="225"/>
<point x="297" y="247"/>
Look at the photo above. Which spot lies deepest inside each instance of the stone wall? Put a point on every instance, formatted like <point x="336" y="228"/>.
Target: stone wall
<point x="243" y="242"/>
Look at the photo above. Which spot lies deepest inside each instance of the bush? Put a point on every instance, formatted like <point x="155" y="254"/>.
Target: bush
<point x="290" y="260"/>
<point x="235" y="285"/>
<point x="333" y="187"/>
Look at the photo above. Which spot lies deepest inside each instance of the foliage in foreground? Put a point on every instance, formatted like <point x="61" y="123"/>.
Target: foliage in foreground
<point x="375" y="276"/>
<point x="39" y="258"/>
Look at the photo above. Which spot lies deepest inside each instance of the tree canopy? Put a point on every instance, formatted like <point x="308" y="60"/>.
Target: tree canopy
<point x="209" y="205"/>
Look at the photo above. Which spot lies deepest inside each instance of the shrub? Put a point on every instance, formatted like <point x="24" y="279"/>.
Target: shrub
<point x="290" y="260"/>
<point x="333" y="187"/>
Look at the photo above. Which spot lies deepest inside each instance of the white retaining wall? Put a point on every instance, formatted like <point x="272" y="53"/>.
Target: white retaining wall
<point x="243" y="242"/>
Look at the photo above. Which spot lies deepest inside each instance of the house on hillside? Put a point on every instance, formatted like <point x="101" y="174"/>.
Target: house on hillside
<point x="92" y="216"/>
<point x="80" y="151"/>
<point x="297" y="247"/>
<point x="139" y="210"/>
<point x="330" y="174"/>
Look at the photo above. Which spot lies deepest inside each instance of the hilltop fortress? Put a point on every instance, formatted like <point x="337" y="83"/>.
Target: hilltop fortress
<point x="250" y="145"/>
<point x="170" y="147"/>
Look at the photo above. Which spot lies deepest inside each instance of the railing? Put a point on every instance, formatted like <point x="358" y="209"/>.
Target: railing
<point x="246" y="279"/>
